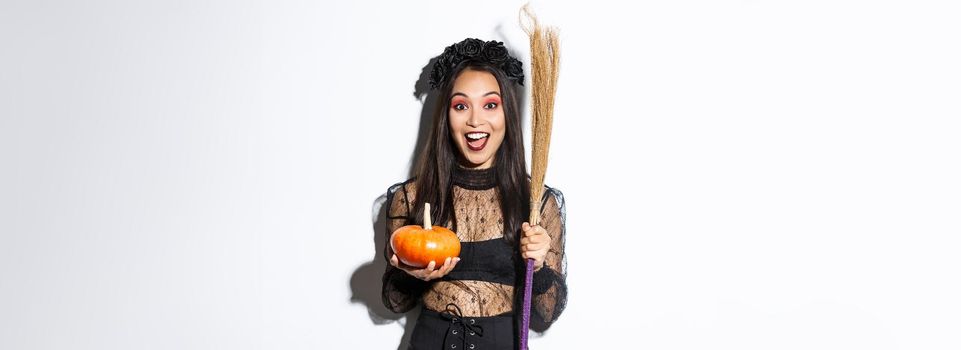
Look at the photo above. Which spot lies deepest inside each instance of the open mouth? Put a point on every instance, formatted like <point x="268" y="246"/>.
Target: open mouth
<point x="476" y="140"/>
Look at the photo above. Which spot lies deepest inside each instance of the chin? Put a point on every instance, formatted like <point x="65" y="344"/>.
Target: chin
<point x="477" y="161"/>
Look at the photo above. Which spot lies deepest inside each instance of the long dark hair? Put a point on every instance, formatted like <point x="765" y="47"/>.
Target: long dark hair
<point x="440" y="157"/>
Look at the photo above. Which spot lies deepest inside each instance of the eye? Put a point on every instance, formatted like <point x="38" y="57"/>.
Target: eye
<point x="491" y="105"/>
<point x="460" y="106"/>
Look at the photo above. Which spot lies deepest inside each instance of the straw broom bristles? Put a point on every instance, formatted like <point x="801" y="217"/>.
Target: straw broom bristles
<point x="545" y="63"/>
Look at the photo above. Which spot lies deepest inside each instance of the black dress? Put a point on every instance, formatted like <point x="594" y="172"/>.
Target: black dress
<point x="473" y="306"/>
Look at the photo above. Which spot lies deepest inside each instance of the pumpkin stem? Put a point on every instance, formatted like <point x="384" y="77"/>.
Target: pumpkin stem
<point x="427" y="216"/>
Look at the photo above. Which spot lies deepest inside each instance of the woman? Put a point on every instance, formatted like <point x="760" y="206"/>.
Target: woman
<point x="473" y="172"/>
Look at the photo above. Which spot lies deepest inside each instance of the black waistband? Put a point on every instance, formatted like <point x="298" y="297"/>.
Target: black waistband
<point x="433" y="313"/>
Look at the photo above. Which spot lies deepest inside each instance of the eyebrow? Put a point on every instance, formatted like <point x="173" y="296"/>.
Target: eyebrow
<point x="465" y="95"/>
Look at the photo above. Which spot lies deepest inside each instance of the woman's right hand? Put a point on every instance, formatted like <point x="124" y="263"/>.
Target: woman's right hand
<point x="428" y="273"/>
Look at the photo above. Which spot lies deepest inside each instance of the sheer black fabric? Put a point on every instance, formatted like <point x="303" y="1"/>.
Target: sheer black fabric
<point x="483" y="282"/>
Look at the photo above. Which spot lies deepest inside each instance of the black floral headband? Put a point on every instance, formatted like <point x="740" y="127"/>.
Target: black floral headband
<point x="476" y="50"/>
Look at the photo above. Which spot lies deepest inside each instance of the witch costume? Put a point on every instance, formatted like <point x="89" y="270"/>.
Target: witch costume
<point x="473" y="306"/>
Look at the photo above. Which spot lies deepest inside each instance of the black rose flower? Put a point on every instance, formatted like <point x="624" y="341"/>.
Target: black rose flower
<point x="437" y="75"/>
<point x="448" y="50"/>
<point x="451" y="60"/>
<point x="515" y="69"/>
<point x="495" y="51"/>
<point x="469" y="47"/>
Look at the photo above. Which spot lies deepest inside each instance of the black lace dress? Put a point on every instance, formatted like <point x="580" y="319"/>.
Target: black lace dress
<point x="473" y="306"/>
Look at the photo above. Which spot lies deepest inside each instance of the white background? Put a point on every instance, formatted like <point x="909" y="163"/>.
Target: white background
<point x="739" y="174"/>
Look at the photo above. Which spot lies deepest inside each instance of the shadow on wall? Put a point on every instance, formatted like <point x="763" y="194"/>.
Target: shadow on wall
<point x="366" y="285"/>
<point x="366" y="282"/>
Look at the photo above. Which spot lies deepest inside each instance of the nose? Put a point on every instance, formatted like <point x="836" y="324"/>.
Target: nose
<point x="473" y="120"/>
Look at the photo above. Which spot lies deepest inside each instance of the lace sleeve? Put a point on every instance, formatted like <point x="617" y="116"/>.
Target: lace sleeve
<point x="550" y="282"/>
<point x="401" y="291"/>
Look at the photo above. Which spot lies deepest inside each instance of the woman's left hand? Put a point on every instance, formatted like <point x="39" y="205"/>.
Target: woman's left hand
<point x="535" y="242"/>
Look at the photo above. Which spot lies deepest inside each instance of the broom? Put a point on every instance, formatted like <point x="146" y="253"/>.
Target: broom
<point x="545" y="60"/>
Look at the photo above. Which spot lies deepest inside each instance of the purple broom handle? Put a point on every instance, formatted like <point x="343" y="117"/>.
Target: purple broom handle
<point x="526" y="312"/>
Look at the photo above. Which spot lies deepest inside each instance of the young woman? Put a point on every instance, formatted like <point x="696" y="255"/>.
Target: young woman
<point x="473" y="172"/>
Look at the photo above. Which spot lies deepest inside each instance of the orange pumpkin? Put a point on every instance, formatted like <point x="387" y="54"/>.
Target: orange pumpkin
<point x="417" y="245"/>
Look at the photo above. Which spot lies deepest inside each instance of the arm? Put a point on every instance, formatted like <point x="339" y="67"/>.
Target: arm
<point x="549" y="289"/>
<point x="401" y="291"/>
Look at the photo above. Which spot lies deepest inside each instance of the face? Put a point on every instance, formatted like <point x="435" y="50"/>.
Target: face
<point x="476" y="118"/>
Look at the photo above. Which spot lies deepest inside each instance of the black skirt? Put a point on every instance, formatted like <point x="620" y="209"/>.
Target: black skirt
<point x="449" y="331"/>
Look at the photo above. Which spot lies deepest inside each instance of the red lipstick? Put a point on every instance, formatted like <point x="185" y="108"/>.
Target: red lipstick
<point x="476" y="144"/>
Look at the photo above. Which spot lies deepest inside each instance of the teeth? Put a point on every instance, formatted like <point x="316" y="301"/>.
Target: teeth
<point x="476" y="135"/>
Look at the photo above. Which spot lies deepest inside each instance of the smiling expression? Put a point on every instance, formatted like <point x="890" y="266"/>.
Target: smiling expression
<point x="476" y="118"/>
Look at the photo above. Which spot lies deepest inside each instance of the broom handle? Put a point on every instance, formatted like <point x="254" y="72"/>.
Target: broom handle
<point x="526" y="317"/>
<point x="535" y="218"/>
